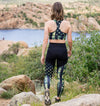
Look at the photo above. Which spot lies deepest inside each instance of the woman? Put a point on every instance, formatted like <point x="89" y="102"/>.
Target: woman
<point x="56" y="30"/>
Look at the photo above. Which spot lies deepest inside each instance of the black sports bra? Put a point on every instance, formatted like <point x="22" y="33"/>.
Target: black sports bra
<point x="58" y="34"/>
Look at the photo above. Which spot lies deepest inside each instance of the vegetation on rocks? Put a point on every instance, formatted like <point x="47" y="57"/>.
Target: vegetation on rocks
<point x="82" y="73"/>
<point x="33" y="15"/>
<point x="8" y="94"/>
<point x="83" y="65"/>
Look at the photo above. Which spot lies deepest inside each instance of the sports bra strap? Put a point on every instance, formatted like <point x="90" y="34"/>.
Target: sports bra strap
<point x="58" y="23"/>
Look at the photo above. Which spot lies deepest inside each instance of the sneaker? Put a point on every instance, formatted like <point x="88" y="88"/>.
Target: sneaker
<point x="57" y="100"/>
<point x="47" y="97"/>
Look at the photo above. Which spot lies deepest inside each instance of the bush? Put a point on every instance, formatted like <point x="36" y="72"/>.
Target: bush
<point x="41" y="24"/>
<point x="69" y="15"/>
<point x="29" y="65"/>
<point x="6" y="56"/>
<point x="98" y="22"/>
<point x="15" y="48"/>
<point x="84" y="65"/>
<point x="92" y="14"/>
<point x="9" y="94"/>
<point x="23" y="4"/>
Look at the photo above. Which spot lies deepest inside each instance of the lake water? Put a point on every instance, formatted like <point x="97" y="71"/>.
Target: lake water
<point x="30" y="36"/>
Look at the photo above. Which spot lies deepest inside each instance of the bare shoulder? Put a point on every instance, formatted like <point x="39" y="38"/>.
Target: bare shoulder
<point x="66" y="22"/>
<point x="49" y="22"/>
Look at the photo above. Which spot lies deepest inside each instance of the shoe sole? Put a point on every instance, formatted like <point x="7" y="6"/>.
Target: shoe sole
<point x="47" y="98"/>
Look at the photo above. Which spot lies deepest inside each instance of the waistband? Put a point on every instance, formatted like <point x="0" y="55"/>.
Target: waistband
<point x="57" y="44"/>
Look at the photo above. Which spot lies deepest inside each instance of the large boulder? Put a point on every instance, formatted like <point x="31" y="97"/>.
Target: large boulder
<point x="85" y="100"/>
<point x="83" y="19"/>
<point x="23" y="98"/>
<point x="23" y="44"/>
<point x="93" y="24"/>
<point x="24" y="52"/>
<point x="19" y="83"/>
<point x="5" y="45"/>
<point x="82" y="27"/>
<point x="75" y="25"/>
<point x="82" y="23"/>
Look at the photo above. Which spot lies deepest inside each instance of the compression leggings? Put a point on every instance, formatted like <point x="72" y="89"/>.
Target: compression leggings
<point x="60" y="84"/>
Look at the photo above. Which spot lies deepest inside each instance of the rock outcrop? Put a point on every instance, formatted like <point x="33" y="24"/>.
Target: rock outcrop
<point x="19" y="83"/>
<point x="23" y="44"/>
<point x="93" y="24"/>
<point x="2" y="90"/>
<point x="24" y="52"/>
<point x="34" y="15"/>
<point x="82" y="23"/>
<point x="5" y="45"/>
<point x="11" y="23"/>
<point x="24" y="98"/>
<point x="85" y="100"/>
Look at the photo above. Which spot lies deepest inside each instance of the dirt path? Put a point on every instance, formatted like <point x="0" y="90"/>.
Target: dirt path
<point x="4" y="102"/>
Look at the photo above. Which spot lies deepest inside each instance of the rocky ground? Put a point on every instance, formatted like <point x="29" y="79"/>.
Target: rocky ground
<point x="4" y="102"/>
<point x="29" y="97"/>
<point x="33" y="15"/>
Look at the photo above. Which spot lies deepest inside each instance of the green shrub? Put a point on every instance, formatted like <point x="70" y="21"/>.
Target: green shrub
<point x="29" y="65"/>
<point x="23" y="4"/>
<point x="6" y="56"/>
<point x="98" y="22"/>
<point x="69" y="15"/>
<point x="15" y="48"/>
<point x="84" y="65"/>
<point x="14" y="16"/>
<point x="24" y="15"/>
<point x="39" y="12"/>
<point x="18" y="15"/>
<point x="65" y="16"/>
<point x="74" y="15"/>
<point x="28" y="20"/>
<point x="92" y="14"/>
<point x="34" y="16"/>
<point x="41" y="24"/>
<point x="9" y="94"/>
<point x="34" y="23"/>
<point x="87" y="8"/>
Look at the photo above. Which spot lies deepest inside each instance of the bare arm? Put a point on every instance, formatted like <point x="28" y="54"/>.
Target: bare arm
<point x="45" y="42"/>
<point x="69" y="38"/>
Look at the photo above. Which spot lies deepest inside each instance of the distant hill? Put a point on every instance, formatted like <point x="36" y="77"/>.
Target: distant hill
<point x="34" y="15"/>
<point x="46" y="1"/>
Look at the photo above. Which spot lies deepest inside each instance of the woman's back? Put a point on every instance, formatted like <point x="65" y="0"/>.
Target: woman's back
<point x="57" y="30"/>
<point x="64" y="26"/>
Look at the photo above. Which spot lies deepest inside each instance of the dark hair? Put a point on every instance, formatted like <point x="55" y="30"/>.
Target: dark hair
<point x="57" y="11"/>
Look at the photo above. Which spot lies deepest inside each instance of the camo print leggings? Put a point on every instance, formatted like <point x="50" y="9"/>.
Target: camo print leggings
<point x="56" y="51"/>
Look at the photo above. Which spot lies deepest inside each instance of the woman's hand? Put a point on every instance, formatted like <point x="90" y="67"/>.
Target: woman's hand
<point x="42" y="59"/>
<point x="69" y="53"/>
